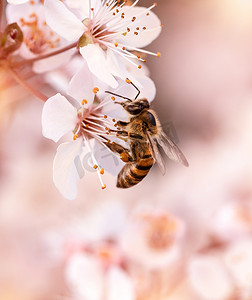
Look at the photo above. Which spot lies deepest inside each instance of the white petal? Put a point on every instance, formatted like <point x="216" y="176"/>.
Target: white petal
<point x="62" y="21"/>
<point x="239" y="262"/>
<point x="109" y="161"/>
<point x="97" y="63"/>
<point x="209" y="278"/>
<point x="17" y="1"/>
<point x="144" y="37"/>
<point x="81" y="86"/>
<point x="65" y="172"/>
<point x="58" y="117"/>
<point x="51" y="63"/>
<point x="119" y="285"/>
<point x="85" y="276"/>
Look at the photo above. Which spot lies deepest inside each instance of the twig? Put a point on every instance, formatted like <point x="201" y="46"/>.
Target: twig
<point x="29" y="61"/>
<point x="27" y="86"/>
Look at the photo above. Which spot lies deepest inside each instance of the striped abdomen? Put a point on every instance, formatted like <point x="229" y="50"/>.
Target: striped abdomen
<point x="132" y="173"/>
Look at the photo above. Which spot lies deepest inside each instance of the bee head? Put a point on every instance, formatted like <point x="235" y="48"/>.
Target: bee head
<point x="137" y="106"/>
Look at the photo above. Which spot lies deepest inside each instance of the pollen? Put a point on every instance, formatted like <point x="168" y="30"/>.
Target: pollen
<point x="128" y="81"/>
<point x="95" y="167"/>
<point x="158" y="54"/>
<point x="104" y="186"/>
<point x="124" y="34"/>
<point x="113" y="98"/>
<point x="102" y="171"/>
<point x="95" y="90"/>
<point x="116" y="44"/>
<point x="75" y="137"/>
<point x="84" y="101"/>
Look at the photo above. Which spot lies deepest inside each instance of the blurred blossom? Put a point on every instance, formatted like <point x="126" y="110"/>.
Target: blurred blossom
<point x="38" y="37"/>
<point x="153" y="238"/>
<point x="232" y="221"/>
<point x="238" y="259"/>
<point x="209" y="278"/>
<point x="94" y="276"/>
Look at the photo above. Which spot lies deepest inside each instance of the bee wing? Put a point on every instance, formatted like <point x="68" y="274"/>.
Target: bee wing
<point x="156" y="154"/>
<point x="171" y="149"/>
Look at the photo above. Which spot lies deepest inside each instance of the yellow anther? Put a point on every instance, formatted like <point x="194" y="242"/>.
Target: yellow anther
<point x="113" y="120"/>
<point x="95" y="90"/>
<point x="158" y="54"/>
<point x="84" y="101"/>
<point x="105" y="116"/>
<point x="128" y="81"/>
<point x="116" y="44"/>
<point x="104" y="186"/>
<point x="102" y="171"/>
<point x="125" y="33"/>
<point x="75" y="137"/>
<point x="139" y="67"/>
<point x="113" y="98"/>
<point x="95" y="166"/>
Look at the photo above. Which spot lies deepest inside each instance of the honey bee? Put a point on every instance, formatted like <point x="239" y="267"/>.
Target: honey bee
<point x="143" y="131"/>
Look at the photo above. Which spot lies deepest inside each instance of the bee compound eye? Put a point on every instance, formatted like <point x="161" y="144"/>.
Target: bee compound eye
<point x="152" y="119"/>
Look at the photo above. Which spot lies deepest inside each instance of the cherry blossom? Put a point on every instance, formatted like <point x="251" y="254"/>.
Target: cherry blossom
<point x="152" y="238"/>
<point x="39" y="39"/>
<point x="84" y="120"/>
<point x="107" y="33"/>
<point x="95" y="276"/>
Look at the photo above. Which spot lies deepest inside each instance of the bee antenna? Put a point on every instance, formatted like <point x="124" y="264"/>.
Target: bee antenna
<point x="118" y="96"/>
<point x="138" y="91"/>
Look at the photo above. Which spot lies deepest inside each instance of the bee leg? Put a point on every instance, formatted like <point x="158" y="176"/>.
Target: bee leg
<point x="123" y="152"/>
<point x="122" y="124"/>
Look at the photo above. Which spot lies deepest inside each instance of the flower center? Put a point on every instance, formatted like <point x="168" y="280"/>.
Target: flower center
<point x="92" y="123"/>
<point x="160" y="231"/>
<point x="36" y="38"/>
